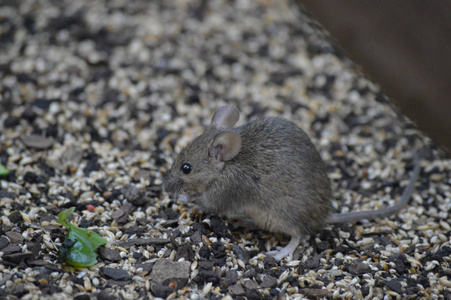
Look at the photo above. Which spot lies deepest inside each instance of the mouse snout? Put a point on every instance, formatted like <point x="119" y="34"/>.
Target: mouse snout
<point x="170" y="183"/>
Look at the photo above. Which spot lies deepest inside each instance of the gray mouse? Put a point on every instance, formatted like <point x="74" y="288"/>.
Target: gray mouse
<point x="267" y="170"/>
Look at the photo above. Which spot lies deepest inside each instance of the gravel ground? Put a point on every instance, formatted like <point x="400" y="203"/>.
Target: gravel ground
<point x="97" y="97"/>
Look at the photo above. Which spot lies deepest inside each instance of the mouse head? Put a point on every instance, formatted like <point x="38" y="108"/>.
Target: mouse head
<point x="200" y="163"/>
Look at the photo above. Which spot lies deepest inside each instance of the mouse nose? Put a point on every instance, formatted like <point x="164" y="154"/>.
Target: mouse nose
<point x="169" y="183"/>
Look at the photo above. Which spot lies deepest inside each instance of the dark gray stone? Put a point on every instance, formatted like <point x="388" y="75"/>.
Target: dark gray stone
<point x="11" y="122"/>
<point x="250" y="285"/>
<point x="196" y="237"/>
<point x="401" y="262"/>
<point x="205" y="264"/>
<point x="11" y="248"/>
<point x="166" y="271"/>
<point x="237" y="290"/>
<point x="359" y="268"/>
<point x="160" y="290"/>
<point x="269" y="262"/>
<point x="250" y="273"/>
<point x="144" y="242"/>
<point x="116" y="274"/>
<point x="316" y="293"/>
<point x="231" y="278"/>
<point x="146" y="267"/>
<point x="15" y="217"/>
<point x="269" y="282"/>
<point x="312" y="263"/>
<point x="394" y="285"/>
<point x="184" y="251"/>
<point x="6" y="194"/>
<point x="16" y="258"/>
<point x="109" y="254"/>
<point x="134" y="195"/>
<point x="4" y="241"/>
<point x="15" y="237"/>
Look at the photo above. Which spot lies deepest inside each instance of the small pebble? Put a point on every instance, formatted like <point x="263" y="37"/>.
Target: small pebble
<point x="37" y="142"/>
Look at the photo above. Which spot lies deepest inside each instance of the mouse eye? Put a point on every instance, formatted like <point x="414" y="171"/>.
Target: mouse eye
<point x="186" y="168"/>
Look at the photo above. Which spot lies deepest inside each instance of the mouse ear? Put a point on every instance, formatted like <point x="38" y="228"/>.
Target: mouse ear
<point x="226" y="146"/>
<point x="225" y="116"/>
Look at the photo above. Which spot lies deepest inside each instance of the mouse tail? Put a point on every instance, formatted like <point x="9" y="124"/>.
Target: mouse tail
<point x="384" y="212"/>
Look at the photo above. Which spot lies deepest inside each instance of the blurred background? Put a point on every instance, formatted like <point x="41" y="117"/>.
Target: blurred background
<point x="405" y="46"/>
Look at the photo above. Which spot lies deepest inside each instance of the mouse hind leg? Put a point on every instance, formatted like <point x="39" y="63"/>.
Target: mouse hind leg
<point x="288" y="250"/>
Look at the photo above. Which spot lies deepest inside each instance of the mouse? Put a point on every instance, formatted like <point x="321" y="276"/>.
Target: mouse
<point x="267" y="171"/>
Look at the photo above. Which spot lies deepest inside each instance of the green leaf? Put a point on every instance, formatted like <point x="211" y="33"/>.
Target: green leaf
<point x="3" y="171"/>
<point x="79" y="256"/>
<point x="82" y="242"/>
<point x="64" y="215"/>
